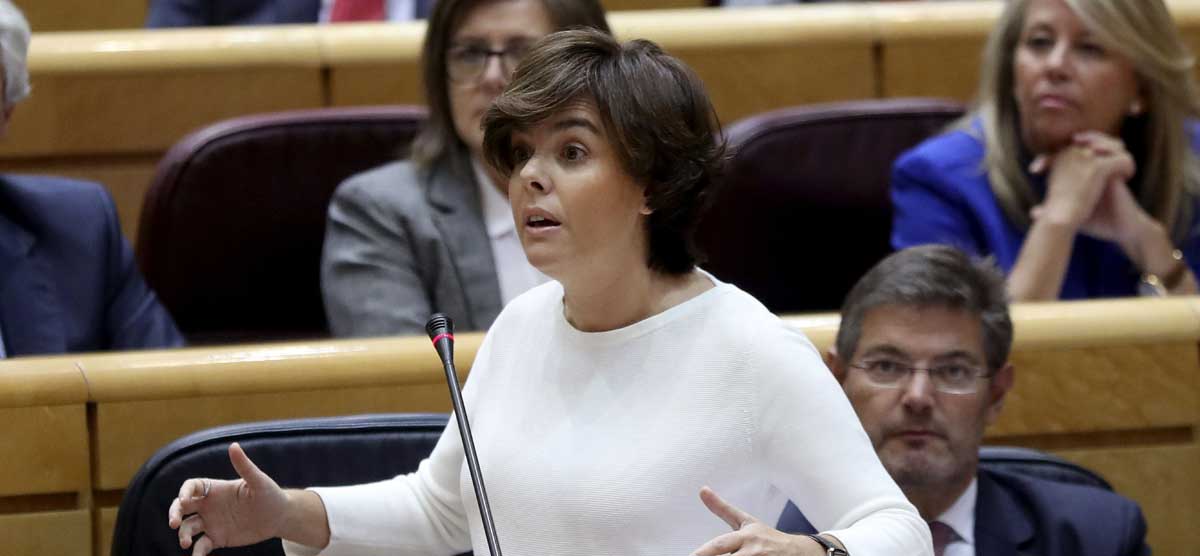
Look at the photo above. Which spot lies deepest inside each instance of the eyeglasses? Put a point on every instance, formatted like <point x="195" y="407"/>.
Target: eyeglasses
<point x="951" y="378"/>
<point x="466" y="62"/>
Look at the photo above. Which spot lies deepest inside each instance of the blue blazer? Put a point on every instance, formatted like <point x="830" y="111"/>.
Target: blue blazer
<point x="941" y="194"/>
<point x="67" y="276"/>
<point x="1018" y="515"/>
<point x="198" y="13"/>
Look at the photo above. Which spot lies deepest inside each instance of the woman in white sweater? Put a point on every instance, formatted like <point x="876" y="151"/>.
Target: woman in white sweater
<point x="604" y="401"/>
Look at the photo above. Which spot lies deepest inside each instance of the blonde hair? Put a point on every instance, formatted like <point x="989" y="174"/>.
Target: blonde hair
<point x="1143" y="32"/>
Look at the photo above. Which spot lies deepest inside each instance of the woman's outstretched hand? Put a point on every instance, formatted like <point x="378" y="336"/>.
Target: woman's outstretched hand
<point x="750" y="537"/>
<point x="229" y="513"/>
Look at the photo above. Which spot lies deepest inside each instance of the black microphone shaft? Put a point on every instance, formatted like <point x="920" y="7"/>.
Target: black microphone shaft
<point x="464" y="430"/>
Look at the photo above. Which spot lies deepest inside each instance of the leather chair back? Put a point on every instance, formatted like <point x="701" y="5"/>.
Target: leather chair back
<point x="296" y="453"/>
<point x="805" y="211"/>
<point x="232" y="225"/>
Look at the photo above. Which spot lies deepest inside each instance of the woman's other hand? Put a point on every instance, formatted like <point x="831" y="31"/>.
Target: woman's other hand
<point x="229" y="513"/>
<point x="750" y="537"/>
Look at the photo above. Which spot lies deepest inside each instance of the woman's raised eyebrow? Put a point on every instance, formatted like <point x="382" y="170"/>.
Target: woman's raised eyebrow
<point x="567" y="123"/>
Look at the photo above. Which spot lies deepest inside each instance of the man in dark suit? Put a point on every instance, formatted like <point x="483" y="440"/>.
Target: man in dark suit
<point x="198" y="13"/>
<point x="67" y="276"/>
<point x="922" y="354"/>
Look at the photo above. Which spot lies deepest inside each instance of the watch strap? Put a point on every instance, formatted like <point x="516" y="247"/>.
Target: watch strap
<point x="830" y="549"/>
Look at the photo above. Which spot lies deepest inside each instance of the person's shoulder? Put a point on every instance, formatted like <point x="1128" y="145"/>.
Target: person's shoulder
<point x="48" y="189"/>
<point x="1192" y="128"/>
<point x="395" y="184"/>
<point x="744" y="323"/>
<point x="1059" y="504"/>
<point x="949" y="151"/>
<point x="40" y="199"/>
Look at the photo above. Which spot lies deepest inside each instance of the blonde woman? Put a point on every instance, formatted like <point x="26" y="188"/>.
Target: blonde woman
<point x="1077" y="168"/>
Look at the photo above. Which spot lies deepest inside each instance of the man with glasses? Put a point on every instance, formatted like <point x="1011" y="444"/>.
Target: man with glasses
<point x="922" y="354"/>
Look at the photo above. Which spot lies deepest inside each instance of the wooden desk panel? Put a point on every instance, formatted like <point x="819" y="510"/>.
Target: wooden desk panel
<point x="128" y="433"/>
<point x="933" y="50"/>
<point x="1162" y="479"/>
<point x="66" y="533"/>
<point x="45" y="450"/>
<point x="750" y="60"/>
<point x="1115" y="388"/>
<point x="141" y="113"/>
<point x="71" y="15"/>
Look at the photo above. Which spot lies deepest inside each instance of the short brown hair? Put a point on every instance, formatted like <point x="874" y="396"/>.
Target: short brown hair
<point x="937" y="276"/>
<point x="438" y="138"/>
<point x="656" y="115"/>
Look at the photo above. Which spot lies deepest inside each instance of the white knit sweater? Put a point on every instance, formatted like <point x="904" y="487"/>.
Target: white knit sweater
<point x="598" y="443"/>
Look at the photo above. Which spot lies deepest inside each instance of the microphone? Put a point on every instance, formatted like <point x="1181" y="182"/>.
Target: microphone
<point x="441" y="331"/>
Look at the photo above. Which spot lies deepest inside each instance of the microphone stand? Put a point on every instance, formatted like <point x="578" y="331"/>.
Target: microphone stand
<point x="441" y="331"/>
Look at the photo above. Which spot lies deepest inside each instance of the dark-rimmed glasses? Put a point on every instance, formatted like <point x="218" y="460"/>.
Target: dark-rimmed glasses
<point x="466" y="63"/>
<point x="950" y="378"/>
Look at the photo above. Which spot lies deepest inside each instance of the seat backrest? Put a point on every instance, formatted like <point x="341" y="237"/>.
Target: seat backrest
<point x="1038" y="464"/>
<point x="804" y="211"/>
<point x="232" y="225"/>
<point x="296" y="453"/>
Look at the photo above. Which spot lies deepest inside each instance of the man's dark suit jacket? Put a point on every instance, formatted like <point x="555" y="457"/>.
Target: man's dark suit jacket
<point x="197" y="13"/>
<point x="1018" y="515"/>
<point x="67" y="276"/>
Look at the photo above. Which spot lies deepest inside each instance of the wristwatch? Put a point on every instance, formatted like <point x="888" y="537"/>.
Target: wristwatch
<point x="830" y="549"/>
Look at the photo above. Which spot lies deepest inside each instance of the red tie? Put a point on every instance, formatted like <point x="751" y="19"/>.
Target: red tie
<point x="357" y="10"/>
<point x="942" y="536"/>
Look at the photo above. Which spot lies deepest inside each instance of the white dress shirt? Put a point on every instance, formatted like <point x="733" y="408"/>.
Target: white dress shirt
<point x="513" y="270"/>
<point x="960" y="516"/>
<point x="396" y="10"/>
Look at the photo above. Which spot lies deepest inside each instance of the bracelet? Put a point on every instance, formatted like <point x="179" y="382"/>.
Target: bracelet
<point x="1162" y="285"/>
<point x="830" y="549"/>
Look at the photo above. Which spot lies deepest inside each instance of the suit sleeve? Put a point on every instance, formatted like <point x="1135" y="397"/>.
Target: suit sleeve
<point x="369" y="275"/>
<point x="179" y="13"/>
<point x="926" y="208"/>
<point x="134" y="318"/>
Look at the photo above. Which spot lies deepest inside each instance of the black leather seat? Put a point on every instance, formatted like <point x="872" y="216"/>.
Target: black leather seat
<point x="805" y="210"/>
<point x="232" y="225"/>
<point x="296" y="453"/>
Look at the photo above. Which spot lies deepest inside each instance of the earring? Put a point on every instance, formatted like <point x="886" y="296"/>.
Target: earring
<point x="1135" y="108"/>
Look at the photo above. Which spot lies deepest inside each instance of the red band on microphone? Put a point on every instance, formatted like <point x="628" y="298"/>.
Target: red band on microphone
<point x="443" y="335"/>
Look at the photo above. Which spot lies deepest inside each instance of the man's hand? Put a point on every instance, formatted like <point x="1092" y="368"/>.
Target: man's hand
<point x="750" y="537"/>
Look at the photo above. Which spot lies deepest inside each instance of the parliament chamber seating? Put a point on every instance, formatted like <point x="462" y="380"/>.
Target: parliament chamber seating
<point x="233" y="222"/>
<point x="297" y="453"/>
<point x="805" y="211"/>
<point x="1111" y="385"/>
<point x="356" y="449"/>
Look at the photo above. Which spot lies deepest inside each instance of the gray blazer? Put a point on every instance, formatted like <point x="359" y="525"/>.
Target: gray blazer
<point x="400" y="246"/>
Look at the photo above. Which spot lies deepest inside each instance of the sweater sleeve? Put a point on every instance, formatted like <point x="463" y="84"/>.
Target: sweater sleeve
<point x="818" y="454"/>
<point x="418" y="513"/>
<point x="421" y="513"/>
